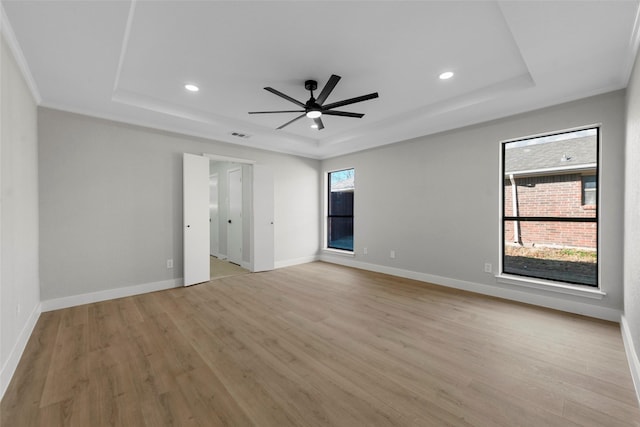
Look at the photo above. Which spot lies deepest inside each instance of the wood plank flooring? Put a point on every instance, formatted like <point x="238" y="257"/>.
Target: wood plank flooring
<point x="221" y="268"/>
<point x="320" y="345"/>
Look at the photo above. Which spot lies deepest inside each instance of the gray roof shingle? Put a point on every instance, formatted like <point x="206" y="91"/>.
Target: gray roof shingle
<point x="569" y="153"/>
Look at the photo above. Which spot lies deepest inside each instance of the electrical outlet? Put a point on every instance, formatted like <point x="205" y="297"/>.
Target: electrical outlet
<point x="487" y="267"/>
<point x="365" y="250"/>
<point x="169" y="263"/>
<point x="392" y="254"/>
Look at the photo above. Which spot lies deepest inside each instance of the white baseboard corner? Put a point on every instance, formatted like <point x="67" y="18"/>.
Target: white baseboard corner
<point x="632" y="355"/>
<point x="74" y="300"/>
<point x="11" y="364"/>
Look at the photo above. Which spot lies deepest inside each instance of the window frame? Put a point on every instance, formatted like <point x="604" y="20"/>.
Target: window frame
<point x="582" y="289"/>
<point x="328" y="210"/>
<point x="586" y="190"/>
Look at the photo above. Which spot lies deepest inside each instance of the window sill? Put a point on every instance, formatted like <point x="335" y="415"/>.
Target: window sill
<point x="547" y="285"/>
<point x="340" y="252"/>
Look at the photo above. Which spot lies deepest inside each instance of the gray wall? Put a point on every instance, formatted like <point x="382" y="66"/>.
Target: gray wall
<point x="632" y="211"/>
<point x="435" y="199"/>
<point x="111" y="203"/>
<point x="19" y="287"/>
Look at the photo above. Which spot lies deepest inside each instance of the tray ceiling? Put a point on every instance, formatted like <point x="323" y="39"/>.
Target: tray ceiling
<point x="129" y="61"/>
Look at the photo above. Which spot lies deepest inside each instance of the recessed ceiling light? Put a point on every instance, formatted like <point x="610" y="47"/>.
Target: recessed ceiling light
<point x="191" y="88"/>
<point x="446" y="75"/>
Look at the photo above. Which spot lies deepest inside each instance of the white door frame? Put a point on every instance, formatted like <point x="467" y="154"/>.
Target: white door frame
<point x="214" y="223"/>
<point x="235" y="251"/>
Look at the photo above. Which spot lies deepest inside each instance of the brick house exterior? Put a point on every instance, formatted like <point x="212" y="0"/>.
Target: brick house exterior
<point x="551" y="179"/>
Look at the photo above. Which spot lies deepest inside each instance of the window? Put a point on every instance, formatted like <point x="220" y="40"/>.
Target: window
<point x="589" y="190"/>
<point x="340" y="210"/>
<point x="549" y="207"/>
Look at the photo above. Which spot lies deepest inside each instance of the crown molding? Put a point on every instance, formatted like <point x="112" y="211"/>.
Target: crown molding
<point x="14" y="46"/>
<point x="632" y="49"/>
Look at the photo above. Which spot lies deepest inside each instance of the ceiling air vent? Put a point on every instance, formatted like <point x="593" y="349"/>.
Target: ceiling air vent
<point x="240" y="135"/>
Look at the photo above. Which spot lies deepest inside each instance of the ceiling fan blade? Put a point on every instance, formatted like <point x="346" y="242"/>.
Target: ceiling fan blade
<point x="342" y="113"/>
<point x="291" y="121"/>
<point x="328" y="88"/>
<point x="282" y="95"/>
<point x="268" y="112"/>
<point x="350" y="101"/>
<point x="318" y="122"/>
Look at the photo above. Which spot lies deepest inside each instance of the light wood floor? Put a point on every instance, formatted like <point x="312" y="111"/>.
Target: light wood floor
<point x="219" y="268"/>
<point x="320" y="345"/>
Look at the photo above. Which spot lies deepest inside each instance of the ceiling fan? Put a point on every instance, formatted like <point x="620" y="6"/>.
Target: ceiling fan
<point x="314" y="108"/>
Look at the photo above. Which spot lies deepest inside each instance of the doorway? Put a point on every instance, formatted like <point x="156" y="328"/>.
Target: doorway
<point x="255" y="246"/>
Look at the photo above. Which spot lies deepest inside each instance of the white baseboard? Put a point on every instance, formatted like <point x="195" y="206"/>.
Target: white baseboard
<point x="74" y="300"/>
<point x="296" y="261"/>
<point x="632" y="356"/>
<point x="11" y="364"/>
<point x="520" y="294"/>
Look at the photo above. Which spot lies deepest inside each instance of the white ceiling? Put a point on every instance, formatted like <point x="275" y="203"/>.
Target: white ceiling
<point x="129" y="60"/>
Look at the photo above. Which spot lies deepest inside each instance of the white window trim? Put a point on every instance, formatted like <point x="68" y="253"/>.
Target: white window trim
<point x="548" y="285"/>
<point x="341" y="252"/>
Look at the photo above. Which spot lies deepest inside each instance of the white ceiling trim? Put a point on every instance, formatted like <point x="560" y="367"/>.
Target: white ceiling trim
<point x="280" y="141"/>
<point x="634" y="44"/>
<point x="14" y="46"/>
<point x="146" y="102"/>
<point x="178" y="130"/>
<point x="377" y="133"/>
<point x="126" y="61"/>
<point x="125" y="43"/>
<point x="394" y="125"/>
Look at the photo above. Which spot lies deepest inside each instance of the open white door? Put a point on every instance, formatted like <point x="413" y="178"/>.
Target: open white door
<point x="263" y="242"/>
<point x="196" y="219"/>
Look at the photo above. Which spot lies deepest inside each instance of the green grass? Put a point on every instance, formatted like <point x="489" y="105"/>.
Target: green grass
<point x="579" y="253"/>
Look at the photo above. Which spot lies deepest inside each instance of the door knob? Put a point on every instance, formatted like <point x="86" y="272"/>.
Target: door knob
<point x="229" y="221"/>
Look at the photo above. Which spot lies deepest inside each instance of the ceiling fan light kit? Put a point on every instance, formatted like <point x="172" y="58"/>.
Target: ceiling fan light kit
<point x="315" y="108"/>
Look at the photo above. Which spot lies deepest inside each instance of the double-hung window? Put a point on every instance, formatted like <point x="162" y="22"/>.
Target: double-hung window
<point x="340" y="209"/>
<point x="550" y="207"/>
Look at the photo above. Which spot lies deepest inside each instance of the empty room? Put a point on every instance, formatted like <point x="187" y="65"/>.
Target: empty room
<point x="319" y="213"/>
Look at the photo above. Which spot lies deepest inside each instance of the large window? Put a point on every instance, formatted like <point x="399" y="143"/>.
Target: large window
<point x="340" y="210"/>
<point x="549" y="207"/>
